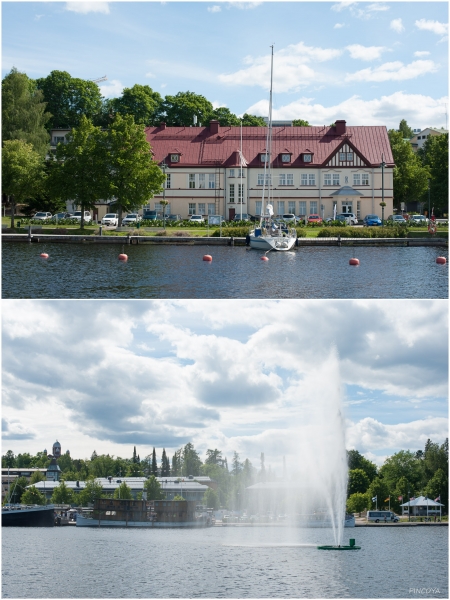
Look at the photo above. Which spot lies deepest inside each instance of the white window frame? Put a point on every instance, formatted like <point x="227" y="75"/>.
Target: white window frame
<point x="280" y="207"/>
<point x="231" y="174"/>
<point x="202" y="208"/>
<point x="231" y="196"/>
<point x="285" y="158"/>
<point x="327" y="179"/>
<point x="313" y="207"/>
<point x="336" y="178"/>
<point x="192" y="181"/>
<point x="261" y="179"/>
<point x="264" y="157"/>
<point x="174" y="158"/>
<point x="302" y="207"/>
<point x="258" y="207"/>
<point x="357" y="179"/>
<point x="307" y="158"/>
<point x="241" y="193"/>
<point x="365" y="179"/>
<point x="349" y="156"/>
<point x="311" y="179"/>
<point x="211" y="208"/>
<point x="212" y="181"/>
<point x="192" y="208"/>
<point x="168" y="182"/>
<point x="201" y="181"/>
<point x="291" y="207"/>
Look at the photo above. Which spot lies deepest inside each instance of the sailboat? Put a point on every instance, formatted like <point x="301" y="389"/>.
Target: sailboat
<point x="270" y="235"/>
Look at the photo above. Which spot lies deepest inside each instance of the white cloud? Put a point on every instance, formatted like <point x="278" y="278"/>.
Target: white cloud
<point x="394" y="71"/>
<point x="244" y="5"/>
<point x="433" y="26"/>
<point x="397" y="25"/>
<point x="356" y="10"/>
<point x="365" y="52"/>
<point x="214" y="9"/>
<point x="112" y="89"/>
<point x="339" y="26"/>
<point x="421" y="53"/>
<point x="88" y="7"/>
<point x="384" y="110"/>
<point x="291" y="68"/>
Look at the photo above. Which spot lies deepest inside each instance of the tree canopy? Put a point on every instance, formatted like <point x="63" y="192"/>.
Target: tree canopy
<point x="434" y="157"/>
<point x="141" y="102"/>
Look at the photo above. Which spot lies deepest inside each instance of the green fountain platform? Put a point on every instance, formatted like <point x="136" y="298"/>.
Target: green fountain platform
<point x="350" y="547"/>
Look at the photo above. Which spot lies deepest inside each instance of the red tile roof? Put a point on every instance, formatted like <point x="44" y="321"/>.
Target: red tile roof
<point x="198" y="146"/>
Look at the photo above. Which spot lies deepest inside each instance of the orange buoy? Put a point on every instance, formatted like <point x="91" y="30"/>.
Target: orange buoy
<point x="123" y="257"/>
<point x="264" y="258"/>
<point x="45" y="255"/>
<point x="441" y="260"/>
<point x="353" y="261"/>
<point x="207" y="258"/>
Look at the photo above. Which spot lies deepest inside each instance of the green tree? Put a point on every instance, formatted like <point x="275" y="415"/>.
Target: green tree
<point x="221" y="476"/>
<point x="357" y="482"/>
<point x="191" y="463"/>
<point x="22" y="173"/>
<point x="379" y="489"/>
<point x="165" y="464"/>
<point x="123" y="492"/>
<point x="141" y="102"/>
<point x="434" y="157"/>
<point x="23" y="461"/>
<point x="358" y="502"/>
<point x="300" y="123"/>
<point x="24" y="112"/>
<point x="135" y="470"/>
<point x="153" y="489"/>
<point x="17" y="488"/>
<point x="8" y="460"/>
<point x="80" y="174"/>
<point x="133" y="177"/>
<point x="154" y="467"/>
<point x="253" y="121"/>
<point x="401" y="464"/>
<point x="62" y="494"/>
<point x="213" y="457"/>
<point x="236" y="464"/>
<point x="176" y="463"/>
<point x="211" y="499"/>
<point x="103" y="465"/>
<point x="69" y="99"/>
<point x="410" y="177"/>
<point x="33" y="496"/>
<point x="438" y="487"/>
<point x="178" y="497"/>
<point x="36" y="477"/>
<point x="225" y="117"/>
<point x="405" y="130"/>
<point x="180" y="110"/>
<point x="65" y="462"/>
<point x="92" y="491"/>
<point x="356" y="460"/>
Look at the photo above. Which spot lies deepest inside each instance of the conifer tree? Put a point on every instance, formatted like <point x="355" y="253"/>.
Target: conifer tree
<point x="154" y="469"/>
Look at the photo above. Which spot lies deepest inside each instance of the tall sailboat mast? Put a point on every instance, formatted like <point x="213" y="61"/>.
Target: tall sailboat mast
<point x="267" y="173"/>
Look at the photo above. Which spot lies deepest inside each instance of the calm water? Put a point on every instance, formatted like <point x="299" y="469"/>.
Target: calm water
<point x="259" y="562"/>
<point x="79" y="271"/>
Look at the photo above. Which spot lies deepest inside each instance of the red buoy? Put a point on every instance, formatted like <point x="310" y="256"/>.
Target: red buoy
<point x="45" y="255"/>
<point x="353" y="261"/>
<point x="207" y="258"/>
<point x="441" y="260"/>
<point x="264" y="258"/>
<point x="123" y="257"/>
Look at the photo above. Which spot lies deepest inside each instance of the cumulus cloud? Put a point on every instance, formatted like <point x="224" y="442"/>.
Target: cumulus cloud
<point x="214" y="9"/>
<point x="88" y="7"/>
<point x="365" y="52"/>
<point x="433" y="26"/>
<point x="397" y="25"/>
<point x="420" y="53"/>
<point x="394" y="71"/>
<point x="112" y="89"/>
<point x="292" y="67"/>
<point x="339" y="26"/>
<point x="360" y="10"/>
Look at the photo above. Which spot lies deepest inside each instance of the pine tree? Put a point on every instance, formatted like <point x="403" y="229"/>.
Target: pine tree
<point x="154" y="469"/>
<point x="165" y="465"/>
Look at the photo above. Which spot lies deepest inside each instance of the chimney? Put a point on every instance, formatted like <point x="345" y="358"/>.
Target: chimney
<point x="214" y="127"/>
<point x="340" y="127"/>
<point x="162" y="125"/>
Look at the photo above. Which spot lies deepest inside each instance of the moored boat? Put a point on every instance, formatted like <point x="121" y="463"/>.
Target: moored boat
<point x="21" y="515"/>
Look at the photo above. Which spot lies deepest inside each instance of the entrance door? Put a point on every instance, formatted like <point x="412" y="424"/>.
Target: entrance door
<point x="347" y="207"/>
<point x="232" y="213"/>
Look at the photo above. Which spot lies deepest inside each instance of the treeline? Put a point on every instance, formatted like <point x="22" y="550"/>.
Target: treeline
<point x="404" y="475"/>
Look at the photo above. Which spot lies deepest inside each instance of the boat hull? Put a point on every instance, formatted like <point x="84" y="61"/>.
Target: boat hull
<point x="39" y="516"/>
<point x="91" y="522"/>
<point x="279" y="243"/>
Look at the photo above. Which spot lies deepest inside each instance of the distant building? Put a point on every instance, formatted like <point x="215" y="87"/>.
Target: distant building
<point x="420" y="137"/>
<point x="53" y="471"/>
<point x="56" y="451"/>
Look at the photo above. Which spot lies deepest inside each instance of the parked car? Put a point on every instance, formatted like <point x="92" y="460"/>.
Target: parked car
<point x="111" y="219"/>
<point x="315" y="219"/>
<point x="42" y="216"/>
<point x="151" y="215"/>
<point x="62" y="215"/>
<point x="77" y="216"/>
<point x="289" y="218"/>
<point x="131" y="218"/>
<point x="344" y="219"/>
<point x="371" y="220"/>
<point x="196" y="219"/>
<point x="353" y="218"/>
<point x="418" y="219"/>
<point x="397" y="220"/>
<point x="245" y="217"/>
<point x="174" y="218"/>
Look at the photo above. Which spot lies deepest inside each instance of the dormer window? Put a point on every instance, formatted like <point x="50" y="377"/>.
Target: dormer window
<point x="264" y="157"/>
<point x="174" y="158"/>
<point x="285" y="158"/>
<point x="307" y="158"/>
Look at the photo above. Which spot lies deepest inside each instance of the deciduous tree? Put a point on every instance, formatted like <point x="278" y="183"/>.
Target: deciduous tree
<point x="180" y="110"/>
<point x="153" y="489"/>
<point x="62" y="494"/>
<point x="33" y="496"/>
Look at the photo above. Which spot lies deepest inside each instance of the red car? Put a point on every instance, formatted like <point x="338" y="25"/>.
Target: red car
<point x="314" y="219"/>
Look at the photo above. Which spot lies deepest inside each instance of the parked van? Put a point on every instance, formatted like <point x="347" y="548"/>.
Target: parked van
<point x="380" y="515"/>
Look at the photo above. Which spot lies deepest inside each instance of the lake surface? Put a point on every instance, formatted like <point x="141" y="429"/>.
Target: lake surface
<point x="84" y="271"/>
<point x="257" y="562"/>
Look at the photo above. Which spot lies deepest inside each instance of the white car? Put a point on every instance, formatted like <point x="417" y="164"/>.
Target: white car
<point x="111" y="219"/>
<point x="87" y="216"/>
<point x="351" y="218"/>
<point x="418" y="219"/>
<point x="196" y="219"/>
<point x="42" y="216"/>
<point x="131" y="218"/>
<point x="289" y="218"/>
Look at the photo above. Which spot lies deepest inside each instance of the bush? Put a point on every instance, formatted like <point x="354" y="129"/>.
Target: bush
<point x="366" y="232"/>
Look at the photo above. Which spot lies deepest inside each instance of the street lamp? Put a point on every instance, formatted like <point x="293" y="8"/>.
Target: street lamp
<point x="164" y="203"/>
<point x="383" y="203"/>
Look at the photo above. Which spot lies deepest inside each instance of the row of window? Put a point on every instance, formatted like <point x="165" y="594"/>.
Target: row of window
<point x="285" y="158"/>
<point x="208" y="180"/>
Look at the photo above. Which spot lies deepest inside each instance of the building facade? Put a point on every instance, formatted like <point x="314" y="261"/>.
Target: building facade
<point x="218" y="170"/>
<point x="419" y="138"/>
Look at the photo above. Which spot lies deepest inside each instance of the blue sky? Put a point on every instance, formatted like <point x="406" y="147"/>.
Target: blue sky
<point x="233" y="375"/>
<point x="371" y="63"/>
